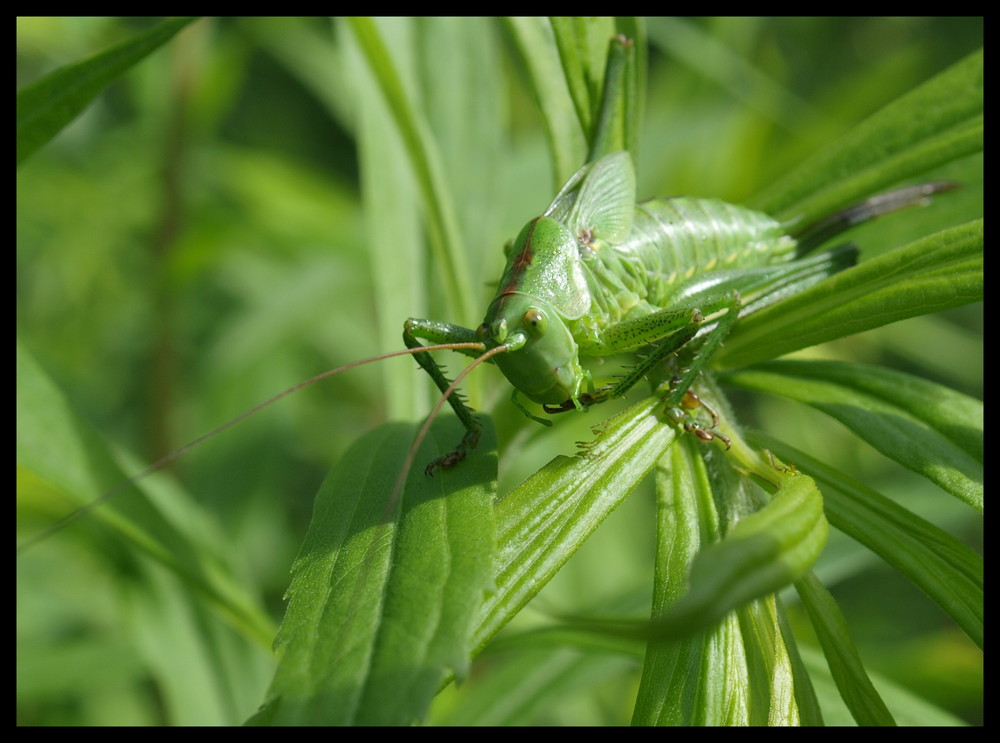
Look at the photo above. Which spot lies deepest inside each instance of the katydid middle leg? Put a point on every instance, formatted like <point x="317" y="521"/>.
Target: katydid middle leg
<point x="667" y="332"/>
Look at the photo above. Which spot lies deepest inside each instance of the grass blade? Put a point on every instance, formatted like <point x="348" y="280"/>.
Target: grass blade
<point x="49" y="104"/>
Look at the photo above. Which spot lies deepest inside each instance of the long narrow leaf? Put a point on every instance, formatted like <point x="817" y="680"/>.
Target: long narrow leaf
<point x="568" y="142"/>
<point x="771" y="682"/>
<point x="426" y="162"/>
<point x="940" y="121"/>
<point x="939" y="272"/>
<point x="699" y="680"/>
<point x="386" y="585"/>
<point x="927" y="428"/>
<point x="845" y="664"/>
<point x="545" y="520"/>
<point x="393" y="226"/>
<point x="582" y="45"/>
<point x="49" y="104"/>
<point x="56" y="451"/>
<point x="763" y="553"/>
<point x="935" y="561"/>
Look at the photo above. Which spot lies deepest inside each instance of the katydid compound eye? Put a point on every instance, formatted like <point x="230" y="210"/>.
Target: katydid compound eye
<point x="483" y="332"/>
<point x="535" y="322"/>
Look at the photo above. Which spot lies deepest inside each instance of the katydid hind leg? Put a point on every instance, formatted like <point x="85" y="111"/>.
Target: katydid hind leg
<point x="669" y="333"/>
<point x="665" y="332"/>
<point x="680" y="402"/>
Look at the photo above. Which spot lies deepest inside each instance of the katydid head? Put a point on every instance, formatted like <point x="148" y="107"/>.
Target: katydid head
<point x="542" y="361"/>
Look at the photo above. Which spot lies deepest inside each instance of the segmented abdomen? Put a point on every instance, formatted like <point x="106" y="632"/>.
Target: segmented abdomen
<point x="673" y="240"/>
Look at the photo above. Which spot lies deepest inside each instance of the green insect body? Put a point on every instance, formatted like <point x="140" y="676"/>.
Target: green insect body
<point x="596" y="275"/>
<point x="601" y="273"/>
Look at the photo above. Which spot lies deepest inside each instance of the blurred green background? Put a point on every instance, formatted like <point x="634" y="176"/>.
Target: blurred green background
<point x="195" y="242"/>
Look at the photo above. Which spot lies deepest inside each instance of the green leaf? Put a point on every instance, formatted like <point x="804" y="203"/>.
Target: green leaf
<point x="907" y="708"/>
<point x="938" y="122"/>
<point x="582" y="44"/>
<point x="601" y="60"/>
<point x="845" y="664"/>
<point x="47" y="105"/>
<point x="532" y="684"/>
<point x="764" y="552"/>
<point x="936" y="273"/>
<point x="927" y="428"/>
<point x="63" y="465"/>
<point x="740" y="670"/>
<point x="709" y="666"/>
<point x="534" y="40"/>
<point x="387" y="586"/>
<point x="391" y="206"/>
<point x="939" y="564"/>
<point x="425" y="159"/>
<point x="726" y="67"/>
<point x="544" y="521"/>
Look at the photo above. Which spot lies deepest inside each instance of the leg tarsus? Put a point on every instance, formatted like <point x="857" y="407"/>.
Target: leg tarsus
<point x="582" y="402"/>
<point x="691" y="401"/>
<point x="456" y="455"/>
<point x="706" y="435"/>
<point x="679" y="416"/>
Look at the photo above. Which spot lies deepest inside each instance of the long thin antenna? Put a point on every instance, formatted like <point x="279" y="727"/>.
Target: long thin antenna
<point x="422" y="433"/>
<point x="177" y="453"/>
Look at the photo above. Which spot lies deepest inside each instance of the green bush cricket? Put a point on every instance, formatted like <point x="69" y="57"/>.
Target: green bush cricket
<point x="572" y="256"/>
<point x="598" y="275"/>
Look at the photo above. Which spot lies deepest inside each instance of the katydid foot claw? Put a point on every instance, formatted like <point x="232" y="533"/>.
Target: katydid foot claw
<point x="679" y="416"/>
<point x="456" y="455"/>
<point x="582" y="402"/>
<point x="705" y="435"/>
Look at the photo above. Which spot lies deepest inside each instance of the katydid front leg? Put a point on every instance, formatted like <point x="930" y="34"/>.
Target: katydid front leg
<point x="441" y="332"/>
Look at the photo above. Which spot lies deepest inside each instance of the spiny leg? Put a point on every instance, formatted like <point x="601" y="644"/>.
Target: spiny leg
<point x="438" y="332"/>
<point x="668" y="331"/>
<point x="680" y="400"/>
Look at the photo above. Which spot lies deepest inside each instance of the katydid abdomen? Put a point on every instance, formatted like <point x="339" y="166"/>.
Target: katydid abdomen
<point x="672" y="242"/>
